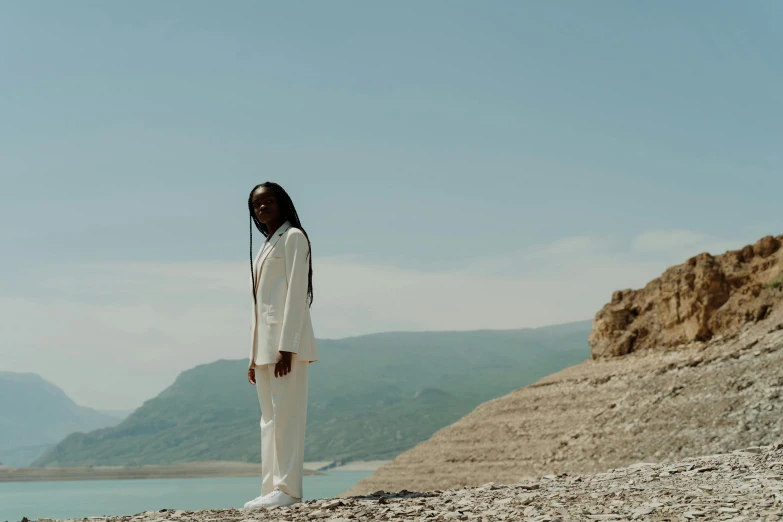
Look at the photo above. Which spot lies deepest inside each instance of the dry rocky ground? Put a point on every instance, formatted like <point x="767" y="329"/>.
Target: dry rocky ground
<point x="745" y="485"/>
<point x="601" y="414"/>
<point x="641" y="396"/>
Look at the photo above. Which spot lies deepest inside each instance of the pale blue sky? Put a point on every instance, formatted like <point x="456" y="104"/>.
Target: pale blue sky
<point x="422" y="139"/>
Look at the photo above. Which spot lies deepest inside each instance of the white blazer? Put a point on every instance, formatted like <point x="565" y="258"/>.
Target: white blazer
<point x="281" y="317"/>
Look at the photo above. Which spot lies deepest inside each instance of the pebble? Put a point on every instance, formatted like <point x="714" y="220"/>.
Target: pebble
<point x="331" y="504"/>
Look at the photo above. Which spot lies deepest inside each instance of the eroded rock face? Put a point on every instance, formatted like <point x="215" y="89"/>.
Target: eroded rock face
<point x="721" y="391"/>
<point x="651" y="406"/>
<point x="702" y="298"/>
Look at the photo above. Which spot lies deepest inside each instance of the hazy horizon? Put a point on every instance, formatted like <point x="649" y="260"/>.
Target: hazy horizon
<point x="457" y="166"/>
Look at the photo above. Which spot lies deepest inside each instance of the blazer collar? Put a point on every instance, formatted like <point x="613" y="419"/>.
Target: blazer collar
<point x="280" y="231"/>
<point x="272" y="240"/>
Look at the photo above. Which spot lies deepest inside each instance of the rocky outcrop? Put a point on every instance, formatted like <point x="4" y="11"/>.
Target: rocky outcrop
<point x="651" y="406"/>
<point x="743" y="485"/>
<point x="701" y="372"/>
<point x="696" y="301"/>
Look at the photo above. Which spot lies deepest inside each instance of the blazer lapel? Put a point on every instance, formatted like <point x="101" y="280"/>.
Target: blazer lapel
<point x="262" y="257"/>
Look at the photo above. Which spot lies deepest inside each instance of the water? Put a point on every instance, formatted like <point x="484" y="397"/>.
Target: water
<point x="90" y="498"/>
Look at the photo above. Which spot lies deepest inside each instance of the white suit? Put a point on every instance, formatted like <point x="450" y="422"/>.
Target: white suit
<point x="281" y="317"/>
<point x="281" y="322"/>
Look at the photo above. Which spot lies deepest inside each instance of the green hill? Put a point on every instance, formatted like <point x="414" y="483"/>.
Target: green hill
<point x="371" y="397"/>
<point x="35" y="414"/>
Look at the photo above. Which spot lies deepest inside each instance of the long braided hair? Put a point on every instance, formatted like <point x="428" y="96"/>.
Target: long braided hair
<point x="288" y="213"/>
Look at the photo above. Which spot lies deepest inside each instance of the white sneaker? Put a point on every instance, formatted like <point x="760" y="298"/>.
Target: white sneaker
<point x="255" y="503"/>
<point x="278" y="498"/>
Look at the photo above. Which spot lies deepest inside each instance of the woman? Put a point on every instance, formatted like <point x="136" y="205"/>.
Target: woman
<point x="283" y="343"/>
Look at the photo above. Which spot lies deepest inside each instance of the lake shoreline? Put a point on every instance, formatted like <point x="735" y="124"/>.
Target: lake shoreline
<point x="216" y="469"/>
<point x="80" y="499"/>
<point x="212" y="469"/>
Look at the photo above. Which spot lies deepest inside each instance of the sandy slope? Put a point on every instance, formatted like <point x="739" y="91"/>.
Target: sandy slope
<point x="700" y="399"/>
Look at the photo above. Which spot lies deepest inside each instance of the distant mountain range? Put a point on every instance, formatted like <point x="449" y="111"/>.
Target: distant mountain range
<point x="371" y="397"/>
<point x="120" y="415"/>
<point x="35" y="414"/>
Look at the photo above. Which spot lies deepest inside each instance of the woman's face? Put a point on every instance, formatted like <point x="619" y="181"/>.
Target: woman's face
<point x="265" y="206"/>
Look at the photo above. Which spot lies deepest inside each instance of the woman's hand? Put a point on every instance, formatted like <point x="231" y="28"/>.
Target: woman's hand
<point x="283" y="364"/>
<point x="251" y="375"/>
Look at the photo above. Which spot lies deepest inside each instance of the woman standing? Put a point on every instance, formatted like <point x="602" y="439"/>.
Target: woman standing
<point x="283" y="343"/>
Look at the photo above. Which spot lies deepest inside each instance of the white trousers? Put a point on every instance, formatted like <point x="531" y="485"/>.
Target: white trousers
<point x="283" y="419"/>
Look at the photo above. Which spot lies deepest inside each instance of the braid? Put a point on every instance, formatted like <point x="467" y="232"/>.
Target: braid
<point x="290" y="214"/>
<point x="252" y="272"/>
<point x="262" y="229"/>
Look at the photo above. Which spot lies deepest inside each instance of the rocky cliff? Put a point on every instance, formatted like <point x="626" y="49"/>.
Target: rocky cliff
<point x="704" y="297"/>
<point x="703" y="375"/>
